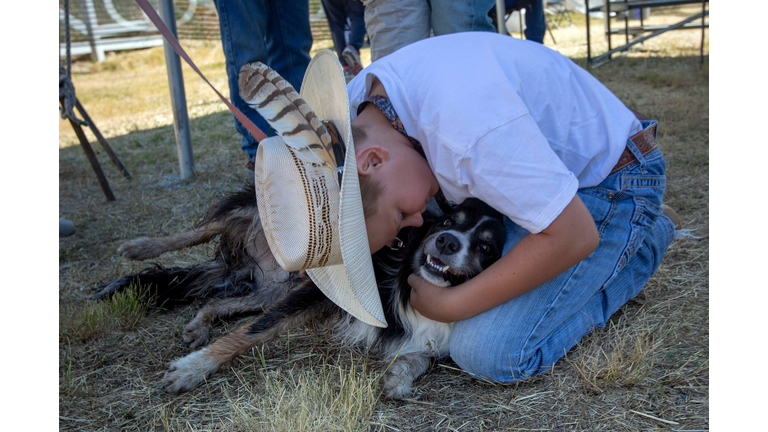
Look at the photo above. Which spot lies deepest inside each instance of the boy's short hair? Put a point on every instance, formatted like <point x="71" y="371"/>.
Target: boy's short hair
<point x="370" y="189"/>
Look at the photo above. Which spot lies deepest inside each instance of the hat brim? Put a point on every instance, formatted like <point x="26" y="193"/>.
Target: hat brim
<point x="352" y="286"/>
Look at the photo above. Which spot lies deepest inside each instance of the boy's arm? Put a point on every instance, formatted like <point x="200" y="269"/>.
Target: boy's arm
<point x="536" y="258"/>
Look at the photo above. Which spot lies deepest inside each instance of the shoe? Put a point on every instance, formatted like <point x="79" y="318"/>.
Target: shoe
<point x="672" y="215"/>
<point x="347" y="75"/>
<point x="249" y="174"/>
<point x="351" y="57"/>
<point x="66" y="227"/>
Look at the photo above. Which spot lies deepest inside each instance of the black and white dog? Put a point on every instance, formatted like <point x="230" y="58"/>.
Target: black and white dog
<point x="244" y="278"/>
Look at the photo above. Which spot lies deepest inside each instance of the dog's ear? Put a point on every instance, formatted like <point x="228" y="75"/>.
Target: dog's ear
<point x="433" y="209"/>
<point x="430" y="217"/>
<point x="443" y="204"/>
<point x="477" y="204"/>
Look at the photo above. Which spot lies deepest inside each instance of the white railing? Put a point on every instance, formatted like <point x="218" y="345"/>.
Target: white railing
<point x="101" y="36"/>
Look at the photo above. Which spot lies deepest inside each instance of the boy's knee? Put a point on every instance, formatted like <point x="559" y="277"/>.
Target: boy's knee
<point x="493" y="359"/>
<point x="501" y="365"/>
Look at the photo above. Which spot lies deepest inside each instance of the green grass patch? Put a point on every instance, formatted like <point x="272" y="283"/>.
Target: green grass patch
<point x="123" y="311"/>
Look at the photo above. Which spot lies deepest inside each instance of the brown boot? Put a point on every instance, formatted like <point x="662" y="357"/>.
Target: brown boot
<point x="248" y="172"/>
<point x="672" y="215"/>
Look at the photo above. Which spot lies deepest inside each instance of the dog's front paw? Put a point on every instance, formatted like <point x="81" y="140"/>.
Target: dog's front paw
<point x="141" y="249"/>
<point x="188" y="372"/>
<point x="398" y="383"/>
<point x="196" y="333"/>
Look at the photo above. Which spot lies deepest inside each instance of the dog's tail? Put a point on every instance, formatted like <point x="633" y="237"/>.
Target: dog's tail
<point x="237" y="268"/>
<point x="181" y="285"/>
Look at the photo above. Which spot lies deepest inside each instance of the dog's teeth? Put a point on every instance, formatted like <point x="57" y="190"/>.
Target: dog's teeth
<point x="430" y="262"/>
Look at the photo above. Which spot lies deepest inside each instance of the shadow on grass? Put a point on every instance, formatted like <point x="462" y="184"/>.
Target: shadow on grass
<point x="150" y="155"/>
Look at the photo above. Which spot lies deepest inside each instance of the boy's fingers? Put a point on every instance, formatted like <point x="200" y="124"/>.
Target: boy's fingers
<point x="415" y="280"/>
<point x="428" y="299"/>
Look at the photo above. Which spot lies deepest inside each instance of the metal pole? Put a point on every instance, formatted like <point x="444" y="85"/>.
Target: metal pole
<point x="643" y="39"/>
<point x="589" y="49"/>
<point x="89" y="18"/>
<point x="178" y="96"/>
<point x="701" y="53"/>
<point x="500" y="17"/>
<point x="608" y="23"/>
<point x="91" y="155"/>
<point x="103" y="141"/>
<point x="626" y="23"/>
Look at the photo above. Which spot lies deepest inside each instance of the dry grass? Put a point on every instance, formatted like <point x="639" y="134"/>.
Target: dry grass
<point x="647" y="370"/>
<point x="296" y="398"/>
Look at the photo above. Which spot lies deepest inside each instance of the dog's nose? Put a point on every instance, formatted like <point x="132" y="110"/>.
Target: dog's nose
<point x="447" y="243"/>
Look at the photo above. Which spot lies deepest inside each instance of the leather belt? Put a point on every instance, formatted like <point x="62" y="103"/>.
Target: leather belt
<point x="645" y="141"/>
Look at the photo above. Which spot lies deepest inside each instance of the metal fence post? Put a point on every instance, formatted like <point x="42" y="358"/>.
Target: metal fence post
<point x="89" y="18"/>
<point x="500" y="24"/>
<point x="178" y="96"/>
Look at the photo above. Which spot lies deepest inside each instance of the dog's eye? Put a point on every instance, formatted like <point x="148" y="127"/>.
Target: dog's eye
<point x="448" y="222"/>
<point x="484" y="247"/>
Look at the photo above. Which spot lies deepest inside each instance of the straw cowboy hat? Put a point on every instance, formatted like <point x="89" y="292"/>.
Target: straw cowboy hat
<point x="307" y="188"/>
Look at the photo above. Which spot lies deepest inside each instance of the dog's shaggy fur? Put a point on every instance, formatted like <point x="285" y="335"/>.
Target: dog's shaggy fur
<point x="244" y="278"/>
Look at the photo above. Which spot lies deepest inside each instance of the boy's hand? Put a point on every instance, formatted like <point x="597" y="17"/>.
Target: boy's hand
<point x="432" y="301"/>
<point x="535" y="259"/>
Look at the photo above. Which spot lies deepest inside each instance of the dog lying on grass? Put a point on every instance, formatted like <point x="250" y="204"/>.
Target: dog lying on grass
<point x="244" y="278"/>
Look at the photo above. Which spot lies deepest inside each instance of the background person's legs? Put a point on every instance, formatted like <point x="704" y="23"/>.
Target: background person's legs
<point x="393" y="24"/>
<point x="535" y="24"/>
<point x="356" y="15"/>
<point x="453" y="16"/>
<point x="283" y="45"/>
<point x="336" y="15"/>
<point x="340" y="13"/>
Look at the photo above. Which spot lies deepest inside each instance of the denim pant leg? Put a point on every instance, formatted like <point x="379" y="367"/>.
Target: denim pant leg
<point x="528" y="334"/>
<point x="535" y="24"/>
<point x="337" y="12"/>
<point x="275" y="32"/>
<point x="452" y="16"/>
<point x="393" y="24"/>
<point x="289" y="39"/>
<point x="356" y="15"/>
<point x="336" y="15"/>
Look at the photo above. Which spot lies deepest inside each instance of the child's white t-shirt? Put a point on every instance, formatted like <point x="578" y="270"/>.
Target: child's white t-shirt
<point x="505" y="120"/>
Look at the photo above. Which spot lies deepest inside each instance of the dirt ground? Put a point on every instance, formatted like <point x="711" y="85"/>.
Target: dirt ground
<point x="647" y="370"/>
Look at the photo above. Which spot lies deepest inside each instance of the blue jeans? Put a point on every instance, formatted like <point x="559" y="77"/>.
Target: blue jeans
<point x="535" y="24"/>
<point x="528" y="334"/>
<point x="337" y="12"/>
<point x="274" y="32"/>
<point x="452" y="16"/>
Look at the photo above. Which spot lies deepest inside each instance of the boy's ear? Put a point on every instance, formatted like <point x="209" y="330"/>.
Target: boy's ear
<point x="370" y="159"/>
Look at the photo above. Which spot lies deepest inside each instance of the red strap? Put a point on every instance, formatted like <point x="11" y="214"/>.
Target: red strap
<point x="252" y="128"/>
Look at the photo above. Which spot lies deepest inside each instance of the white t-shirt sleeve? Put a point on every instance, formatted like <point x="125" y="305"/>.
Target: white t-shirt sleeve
<point x="513" y="168"/>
